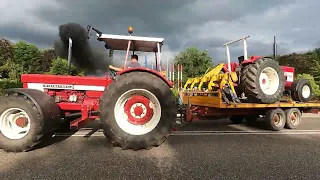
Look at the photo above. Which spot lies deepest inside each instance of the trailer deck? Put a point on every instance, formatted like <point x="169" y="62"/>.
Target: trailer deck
<point x="216" y="102"/>
<point x="210" y="105"/>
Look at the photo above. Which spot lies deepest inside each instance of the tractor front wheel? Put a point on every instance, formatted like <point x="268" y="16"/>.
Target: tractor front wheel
<point x="21" y="126"/>
<point x="138" y="110"/>
<point x="301" y="90"/>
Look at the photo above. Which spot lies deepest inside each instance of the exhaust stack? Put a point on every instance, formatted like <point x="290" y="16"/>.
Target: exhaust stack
<point x="274" y="48"/>
<point x="69" y="56"/>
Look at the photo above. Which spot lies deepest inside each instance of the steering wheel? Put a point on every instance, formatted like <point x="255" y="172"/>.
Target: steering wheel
<point x="112" y="73"/>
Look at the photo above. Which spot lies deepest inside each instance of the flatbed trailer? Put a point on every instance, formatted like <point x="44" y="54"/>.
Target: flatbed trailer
<point x="285" y="113"/>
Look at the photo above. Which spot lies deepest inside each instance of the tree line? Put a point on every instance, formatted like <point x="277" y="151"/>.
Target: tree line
<point x="307" y="65"/>
<point x="23" y="58"/>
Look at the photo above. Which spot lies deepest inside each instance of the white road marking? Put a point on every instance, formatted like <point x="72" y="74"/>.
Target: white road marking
<point x="83" y="133"/>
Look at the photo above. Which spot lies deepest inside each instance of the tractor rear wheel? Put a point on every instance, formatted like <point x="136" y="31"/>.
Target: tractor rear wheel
<point x="138" y="110"/>
<point x="263" y="81"/>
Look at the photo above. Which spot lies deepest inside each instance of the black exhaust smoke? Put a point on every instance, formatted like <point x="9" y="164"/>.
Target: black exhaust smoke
<point x="83" y="55"/>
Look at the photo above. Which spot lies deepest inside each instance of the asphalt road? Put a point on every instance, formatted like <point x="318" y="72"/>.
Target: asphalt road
<point x="206" y="150"/>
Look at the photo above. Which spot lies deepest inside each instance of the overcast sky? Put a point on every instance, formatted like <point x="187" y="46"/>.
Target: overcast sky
<point x="205" y="24"/>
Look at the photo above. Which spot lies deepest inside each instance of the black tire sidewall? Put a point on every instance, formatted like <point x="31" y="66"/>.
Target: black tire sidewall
<point x="36" y="129"/>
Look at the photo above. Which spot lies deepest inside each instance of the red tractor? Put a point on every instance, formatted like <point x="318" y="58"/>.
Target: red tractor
<point x="136" y="106"/>
<point x="263" y="80"/>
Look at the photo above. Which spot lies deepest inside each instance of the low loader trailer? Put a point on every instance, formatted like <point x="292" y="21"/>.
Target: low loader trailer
<point x="285" y="113"/>
<point x="255" y="87"/>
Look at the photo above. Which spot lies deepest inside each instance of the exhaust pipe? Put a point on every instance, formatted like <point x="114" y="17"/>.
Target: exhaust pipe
<point x="69" y="56"/>
<point x="274" y="48"/>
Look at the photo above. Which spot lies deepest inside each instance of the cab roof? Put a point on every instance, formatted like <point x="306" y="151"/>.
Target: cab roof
<point x="138" y="43"/>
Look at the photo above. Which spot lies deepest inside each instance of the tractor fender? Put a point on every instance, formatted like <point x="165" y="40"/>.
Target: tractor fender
<point x="46" y="105"/>
<point x="141" y="69"/>
<point x="251" y="60"/>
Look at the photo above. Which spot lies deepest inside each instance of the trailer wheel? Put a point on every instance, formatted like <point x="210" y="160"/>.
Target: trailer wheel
<point x="275" y="119"/>
<point x="20" y="124"/>
<point x="301" y="90"/>
<point x="138" y="111"/>
<point x="293" y="118"/>
<point x="264" y="81"/>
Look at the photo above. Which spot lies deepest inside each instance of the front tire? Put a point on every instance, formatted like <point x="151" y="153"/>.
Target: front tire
<point x="138" y="110"/>
<point x="21" y="125"/>
<point x="301" y="90"/>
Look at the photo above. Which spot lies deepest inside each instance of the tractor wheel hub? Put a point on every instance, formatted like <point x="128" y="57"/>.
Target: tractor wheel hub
<point x="138" y="110"/>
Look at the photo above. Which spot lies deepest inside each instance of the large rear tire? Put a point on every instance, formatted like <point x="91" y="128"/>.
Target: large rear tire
<point x="138" y="110"/>
<point x="263" y="81"/>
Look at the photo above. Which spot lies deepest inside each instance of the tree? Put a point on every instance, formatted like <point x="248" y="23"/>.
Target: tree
<point x="59" y="66"/>
<point x="6" y="50"/>
<point x="28" y="56"/>
<point x="315" y="87"/>
<point x="6" y="54"/>
<point x="48" y="55"/>
<point x="301" y="62"/>
<point x="194" y="61"/>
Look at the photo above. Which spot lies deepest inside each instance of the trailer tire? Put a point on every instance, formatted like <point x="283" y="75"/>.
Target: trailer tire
<point x="270" y="71"/>
<point x="293" y="118"/>
<point x="301" y="90"/>
<point x="275" y="119"/>
<point x="121" y="125"/>
<point x="10" y="142"/>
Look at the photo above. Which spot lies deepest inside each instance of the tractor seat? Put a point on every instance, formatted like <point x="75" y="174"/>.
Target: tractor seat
<point x="240" y="59"/>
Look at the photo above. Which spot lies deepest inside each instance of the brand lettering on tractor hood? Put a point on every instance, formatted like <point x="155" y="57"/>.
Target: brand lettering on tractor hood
<point x="58" y="86"/>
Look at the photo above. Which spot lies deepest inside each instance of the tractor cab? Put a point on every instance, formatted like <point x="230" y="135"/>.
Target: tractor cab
<point x="131" y="44"/>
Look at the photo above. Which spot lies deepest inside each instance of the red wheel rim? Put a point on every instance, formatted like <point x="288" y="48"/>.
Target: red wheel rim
<point x="138" y="110"/>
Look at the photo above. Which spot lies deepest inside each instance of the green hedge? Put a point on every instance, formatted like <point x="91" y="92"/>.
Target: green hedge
<point x="6" y="84"/>
<point x="175" y="92"/>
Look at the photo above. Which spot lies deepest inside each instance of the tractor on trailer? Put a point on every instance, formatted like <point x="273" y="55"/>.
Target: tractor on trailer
<point x="136" y="106"/>
<point x="254" y="87"/>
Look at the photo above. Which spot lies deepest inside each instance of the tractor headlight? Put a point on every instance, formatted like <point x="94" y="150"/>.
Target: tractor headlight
<point x="73" y="98"/>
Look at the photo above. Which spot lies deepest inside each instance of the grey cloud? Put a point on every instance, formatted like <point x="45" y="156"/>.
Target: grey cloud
<point x="18" y="32"/>
<point x="173" y="20"/>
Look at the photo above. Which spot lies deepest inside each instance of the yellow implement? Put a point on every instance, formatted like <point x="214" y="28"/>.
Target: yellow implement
<point x="211" y="74"/>
<point x="214" y="78"/>
<point x="193" y="81"/>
